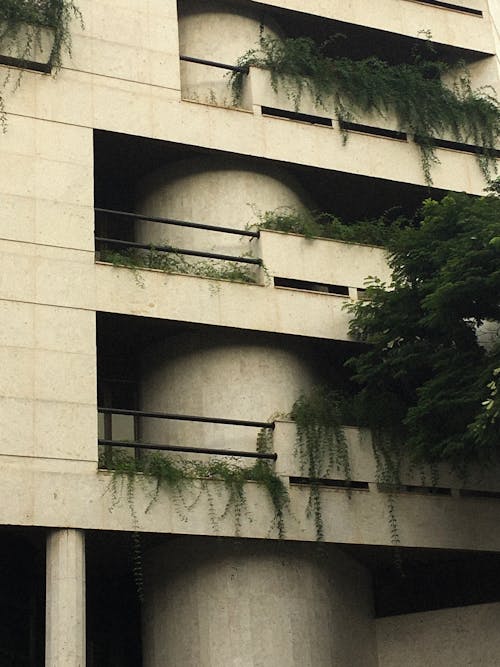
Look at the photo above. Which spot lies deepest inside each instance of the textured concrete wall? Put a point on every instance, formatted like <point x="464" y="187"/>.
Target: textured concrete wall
<point x="464" y="637"/>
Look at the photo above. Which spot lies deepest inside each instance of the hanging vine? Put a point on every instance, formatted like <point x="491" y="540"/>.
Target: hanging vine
<point x="414" y="93"/>
<point x="174" y="262"/>
<point x="187" y="481"/>
<point x="22" y="25"/>
<point x="388" y="454"/>
<point x="320" y="445"/>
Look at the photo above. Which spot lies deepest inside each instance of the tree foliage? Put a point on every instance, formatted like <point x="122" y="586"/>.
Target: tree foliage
<point x="425" y="372"/>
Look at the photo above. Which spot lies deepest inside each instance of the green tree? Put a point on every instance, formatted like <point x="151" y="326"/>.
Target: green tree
<point x="425" y="377"/>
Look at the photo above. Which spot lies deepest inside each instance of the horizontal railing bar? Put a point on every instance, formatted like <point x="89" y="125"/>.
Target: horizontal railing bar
<point x="187" y="418"/>
<point x="189" y="450"/>
<point x="181" y="251"/>
<point x="181" y="223"/>
<point x="21" y="63"/>
<point x="212" y="63"/>
<point x="453" y="7"/>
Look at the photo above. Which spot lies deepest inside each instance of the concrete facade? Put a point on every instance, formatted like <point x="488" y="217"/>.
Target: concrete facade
<point x="462" y="636"/>
<point x="126" y="125"/>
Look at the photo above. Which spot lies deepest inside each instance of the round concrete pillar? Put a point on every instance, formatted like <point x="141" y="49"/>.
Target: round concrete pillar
<point x="217" y="374"/>
<point x="223" y="192"/>
<point x="214" y="603"/>
<point x="220" y="31"/>
<point x="226" y="374"/>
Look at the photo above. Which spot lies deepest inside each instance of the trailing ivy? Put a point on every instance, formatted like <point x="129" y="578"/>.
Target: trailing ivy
<point x="22" y="23"/>
<point x="320" y="445"/>
<point x="186" y="481"/>
<point x="413" y="92"/>
<point x="378" y="231"/>
<point x="172" y="262"/>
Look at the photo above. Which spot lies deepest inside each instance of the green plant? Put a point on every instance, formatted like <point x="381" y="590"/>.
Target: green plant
<point x="323" y="225"/>
<point x="137" y="570"/>
<point x="173" y="262"/>
<point x="424" y="368"/>
<point x="21" y="26"/>
<point x="320" y="445"/>
<point x="186" y="481"/>
<point x="413" y="92"/>
<point x="487" y="422"/>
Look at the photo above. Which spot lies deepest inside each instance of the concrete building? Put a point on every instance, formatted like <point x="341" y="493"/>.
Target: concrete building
<point x="135" y="124"/>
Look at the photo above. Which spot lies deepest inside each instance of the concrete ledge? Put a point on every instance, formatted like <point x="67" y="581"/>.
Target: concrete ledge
<point x="71" y="499"/>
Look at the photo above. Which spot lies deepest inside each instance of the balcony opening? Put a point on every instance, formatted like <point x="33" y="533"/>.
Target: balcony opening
<point x="212" y="71"/>
<point x="123" y="162"/>
<point x="159" y="385"/>
<point x="113" y="605"/>
<point x="207" y="57"/>
<point x="349" y="40"/>
<point x="429" y="579"/>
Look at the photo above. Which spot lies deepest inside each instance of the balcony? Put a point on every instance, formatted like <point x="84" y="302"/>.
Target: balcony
<point x="429" y="505"/>
<point x="290" y="284"/>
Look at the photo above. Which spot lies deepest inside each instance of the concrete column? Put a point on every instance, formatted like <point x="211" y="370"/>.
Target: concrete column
<point x="65" y="599"/>
<point x="221" y="603"/>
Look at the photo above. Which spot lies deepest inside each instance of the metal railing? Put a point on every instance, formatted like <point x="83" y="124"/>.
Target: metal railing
<point x="442" y="4"/>
<point x="171" y="249"/>
<point x="213" y="63"/>
<point x="139" y="445"/>
<point x="21" y="63"/>
<point x="180" y="223"/>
